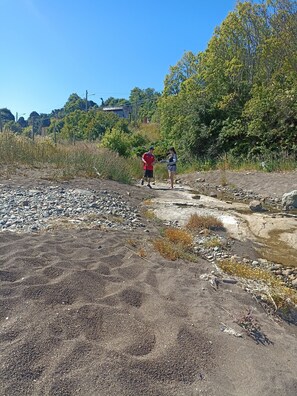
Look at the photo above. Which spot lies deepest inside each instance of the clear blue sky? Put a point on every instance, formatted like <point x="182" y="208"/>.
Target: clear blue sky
<point x="52" y="48"/>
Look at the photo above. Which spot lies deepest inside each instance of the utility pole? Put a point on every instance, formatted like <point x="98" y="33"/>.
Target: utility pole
<point x="87" y="94"/>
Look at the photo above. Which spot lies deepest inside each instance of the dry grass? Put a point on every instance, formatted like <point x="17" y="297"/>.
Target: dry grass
<point x="179" y="237"/>
<point x="281" y="295"/>
<point x="142" y="252"/>
<point x="196" y="223"/>
<point x="176" y="244"/>
<point x="167" y="249"/>
<point x="213" y="242"/>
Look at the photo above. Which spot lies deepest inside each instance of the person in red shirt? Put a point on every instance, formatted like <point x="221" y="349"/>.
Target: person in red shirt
<point x="148" y="160"/>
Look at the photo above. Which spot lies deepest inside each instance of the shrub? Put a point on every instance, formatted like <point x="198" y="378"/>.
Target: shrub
<point x="197" y="222"/>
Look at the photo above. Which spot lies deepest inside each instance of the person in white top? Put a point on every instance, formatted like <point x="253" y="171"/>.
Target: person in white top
<point x="171" y="165"/>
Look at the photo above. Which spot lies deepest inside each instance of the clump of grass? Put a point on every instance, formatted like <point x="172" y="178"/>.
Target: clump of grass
<point x="213" y="242"/>
<point x="281" y="295"/>
<point x="149" y="214"/>
<point x="196" y="223"/>
<point x="132" y="242"/>
<point x="142" y="252"/>
<point x="167" y="249"/>
<point x="232" y="267"/>
<point x="179" y="237"/>
<point x="175" y="244"/>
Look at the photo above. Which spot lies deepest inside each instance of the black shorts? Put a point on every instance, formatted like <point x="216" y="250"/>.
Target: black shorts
<point x="149" y="173"/>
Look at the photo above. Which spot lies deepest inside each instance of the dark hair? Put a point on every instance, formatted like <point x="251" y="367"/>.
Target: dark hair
<point x="172" y="149"/>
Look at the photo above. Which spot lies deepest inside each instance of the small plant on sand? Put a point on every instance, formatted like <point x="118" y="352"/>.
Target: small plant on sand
<point x="175" y="244"/>
<point x="142" y="252"/>
<point x="252" y="328"/>
<point x="132" y="242"/>
<point x="276" y="293"/>
<point x="149" y="214"/>
<point x="196" y="223"/>
<point x="212" y="243"/>
<point x="179" y="237"/>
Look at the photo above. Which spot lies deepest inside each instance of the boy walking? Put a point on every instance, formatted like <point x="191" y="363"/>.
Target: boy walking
<point x="148" y="160"/>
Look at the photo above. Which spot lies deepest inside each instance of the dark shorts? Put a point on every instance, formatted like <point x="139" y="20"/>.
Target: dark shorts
<point x="171" y="168"/>
<point x="149" y="173"/>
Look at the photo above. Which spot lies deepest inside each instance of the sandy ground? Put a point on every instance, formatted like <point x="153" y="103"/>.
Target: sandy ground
<point x="267" y="184"/>
<point x="91" y="312"/>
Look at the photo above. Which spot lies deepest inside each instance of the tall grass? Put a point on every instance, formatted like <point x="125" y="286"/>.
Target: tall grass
<point x="81" y="159"/>
<point x="267" y="163"/>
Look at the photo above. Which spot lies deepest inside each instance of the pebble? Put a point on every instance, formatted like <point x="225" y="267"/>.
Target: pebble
<point x="24" y="210"/>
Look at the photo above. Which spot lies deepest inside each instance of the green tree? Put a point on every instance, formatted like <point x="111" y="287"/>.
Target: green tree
<point x="5" y="116"/>
<point x="143" y="103"/>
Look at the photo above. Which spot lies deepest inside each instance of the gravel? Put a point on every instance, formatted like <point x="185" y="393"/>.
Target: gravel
<point x="31" y="210"/>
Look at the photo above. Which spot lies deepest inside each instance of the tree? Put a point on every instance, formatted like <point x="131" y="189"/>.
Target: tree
<point x="186" y="68"/>
<point x="143" y="103"/>
<point x="74" y="103"/>
<point x="5" y="116"/>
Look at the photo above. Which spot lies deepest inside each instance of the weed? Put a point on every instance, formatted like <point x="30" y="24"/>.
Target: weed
<point x="175" y="244"/>
<point x="252" y="328"/>
<point x="179" y="237"/>
<point x="283" y="298"/>
<point x="132" y="242"/>
<point x="167" y="249"/>
<point x="142" y="253"/>
<point x="197" y="222"/>
<point x="213" y="242"/>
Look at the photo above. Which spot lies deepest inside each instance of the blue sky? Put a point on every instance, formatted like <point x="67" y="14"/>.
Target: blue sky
<point x="52" y="48"/>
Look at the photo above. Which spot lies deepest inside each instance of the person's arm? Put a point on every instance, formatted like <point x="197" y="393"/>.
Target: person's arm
<point x="143" y="160"/>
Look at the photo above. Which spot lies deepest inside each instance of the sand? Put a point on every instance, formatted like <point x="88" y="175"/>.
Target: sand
<point x="96" y="312"/>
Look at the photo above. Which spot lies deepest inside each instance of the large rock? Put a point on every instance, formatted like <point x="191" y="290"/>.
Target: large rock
<point x="289" y="200"/>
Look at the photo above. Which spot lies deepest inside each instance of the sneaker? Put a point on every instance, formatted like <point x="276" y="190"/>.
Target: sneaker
<point x="149" y="186"/>
<point x="142" y="182"/>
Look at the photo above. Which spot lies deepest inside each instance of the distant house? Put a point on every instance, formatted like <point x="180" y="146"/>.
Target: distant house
<point x="121" y="111"/>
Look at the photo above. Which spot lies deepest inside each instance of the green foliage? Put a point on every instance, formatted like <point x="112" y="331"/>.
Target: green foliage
<point x="143" y="104"/>
<point x="91" y="125"/>
<point x="239" y="96"/>
<point x="118" y="141"/>
<point x="65" y="161"/>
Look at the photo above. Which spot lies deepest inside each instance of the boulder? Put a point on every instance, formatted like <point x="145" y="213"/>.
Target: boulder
<point x="289" y="200"/>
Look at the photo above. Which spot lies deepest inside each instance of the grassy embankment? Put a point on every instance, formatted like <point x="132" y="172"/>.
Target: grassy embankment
<point x="90" y="160"/>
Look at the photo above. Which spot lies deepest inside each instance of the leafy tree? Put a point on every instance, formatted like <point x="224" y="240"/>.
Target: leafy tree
<point x="239" y="95"/>
<point x="81" y="125"/>
<point x="5" y="116"/>
<point x="186" y="68"/>
<point x="74" y="103"/>
<point x="113" y="102"/>
<point x="117" y="141"/>
<point x="143" y="103"/>
<point x="22" y="122"/>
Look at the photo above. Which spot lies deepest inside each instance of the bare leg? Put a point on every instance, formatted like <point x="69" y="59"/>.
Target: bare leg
<point x="171" y="177"/>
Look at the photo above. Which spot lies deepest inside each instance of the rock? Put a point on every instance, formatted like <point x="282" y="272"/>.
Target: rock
<point x="294" y="283"/>
<point x="289" y="200"/>
<point x="256" y="206"/>
<point x="200" y="180"/>
<point x="229" y="280"/>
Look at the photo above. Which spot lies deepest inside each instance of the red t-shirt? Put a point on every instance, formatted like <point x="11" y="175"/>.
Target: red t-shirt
<point x="149" y="159"/>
